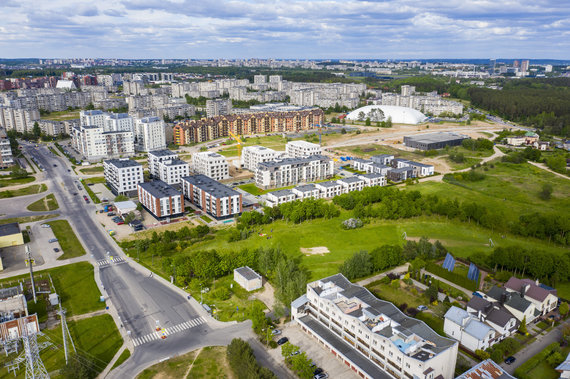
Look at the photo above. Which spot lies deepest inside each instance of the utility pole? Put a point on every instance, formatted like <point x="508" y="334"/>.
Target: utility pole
<point x="65" y="333"/>
<point x="35" y="368"/>
<point x="31" y="263"/>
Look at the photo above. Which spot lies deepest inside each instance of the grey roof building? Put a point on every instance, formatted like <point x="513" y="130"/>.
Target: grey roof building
<point x="432" y="141"/>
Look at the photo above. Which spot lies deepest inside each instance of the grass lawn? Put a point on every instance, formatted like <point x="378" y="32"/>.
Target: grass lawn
<point x="467" y="162"/>
<point x="207" y="363"/>
<point x="206" y="218"/>
<point x="31" y="190"/>
<point x="433" y="321"/>
<point x="91" y="170"/>
<point x="256" y="191"/>
<point x="74" y="283"/>
<point x="48" y="203"/>
<point x="90" y="192"/>
<point x="23" y="220"/>
<point x="94" y="180"/>
<point x="123" y="357"/>
<point x="398" y="296"/>
<point x="96" y="338"/>
<point x="62" y="115"/>
<point x="8" y="181"/>
<point x="368" y="150"/>
<point x="67" y="239"/>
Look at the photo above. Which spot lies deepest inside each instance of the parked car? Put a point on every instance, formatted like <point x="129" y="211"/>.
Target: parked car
<point x="120" y="223"/>
<point x="46" y="226"/>
<point x="54" y="165"/>
<point x="56" y="250"/>
<point x="296" y="352"/>
<point x="52" y="240"/>
<point x="111" y="214"/>
<point x="422" y="308"/>
<point x="276" y="332"/>
<point x="318" y="371"/>
<point x="322" y="375"/>
<point x="283" y="341"/>
<point x="510" y="360"/>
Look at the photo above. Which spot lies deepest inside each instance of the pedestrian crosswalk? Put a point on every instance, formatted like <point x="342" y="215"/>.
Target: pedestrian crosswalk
<point x="168" y="331"/>
<point x="107" y="262"/>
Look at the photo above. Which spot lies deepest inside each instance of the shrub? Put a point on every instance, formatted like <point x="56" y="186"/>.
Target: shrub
<point x="352" y="223"/>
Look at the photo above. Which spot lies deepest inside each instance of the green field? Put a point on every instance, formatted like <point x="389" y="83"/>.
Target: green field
<point x="8" y="181"/>
<point x="67" y="239"/>
<point x="31" y="190"/>
<point x="206" y="218"/>
<point x="75" y="284"/>
<point x="48" y="203"/>
<point x="207" y="363"/>
<point x="122" y="358"/>
<point x="91" y="170"/>
<point x="62" y="115"/>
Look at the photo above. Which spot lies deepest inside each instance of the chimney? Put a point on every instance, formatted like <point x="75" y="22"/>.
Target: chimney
<point x="537" y="282"/>
<point x="525" y="288"/>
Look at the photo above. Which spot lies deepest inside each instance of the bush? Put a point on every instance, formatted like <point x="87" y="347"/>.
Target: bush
<point x="352" y="223"/>
<point x="357" y="266"/>
<point x="522" y="371"/>
<point x="243" y="363"/>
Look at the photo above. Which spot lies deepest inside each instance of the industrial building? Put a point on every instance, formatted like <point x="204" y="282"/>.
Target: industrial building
<point x="433" y="141"/>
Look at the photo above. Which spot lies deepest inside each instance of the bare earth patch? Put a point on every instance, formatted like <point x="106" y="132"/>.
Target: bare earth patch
<point x="319" y="250"/>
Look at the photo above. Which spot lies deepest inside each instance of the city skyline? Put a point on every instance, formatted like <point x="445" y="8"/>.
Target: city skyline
<point x="312" y="29"/>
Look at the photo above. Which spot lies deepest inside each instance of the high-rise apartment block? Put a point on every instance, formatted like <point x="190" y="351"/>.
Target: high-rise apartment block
<point x="171" y="171"/>
<point x="6" y="158"/>
<point x="157" y="156"/>
<point x="122" y="175"/>
<point x="149" y="134"/>
<point x="251" y="156"/>
<point x="211" y="196"/>
<point x="218" y="107"/>
<point x="210" y="164"/>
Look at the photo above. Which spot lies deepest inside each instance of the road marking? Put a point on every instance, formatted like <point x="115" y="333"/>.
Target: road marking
<point x="168" y="331"/>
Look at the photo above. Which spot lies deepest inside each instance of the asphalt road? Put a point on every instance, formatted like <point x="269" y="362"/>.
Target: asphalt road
<point x="142" y="302"/>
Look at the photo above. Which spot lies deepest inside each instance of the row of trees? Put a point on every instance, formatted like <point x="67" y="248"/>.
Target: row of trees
<point x="391" y="203"/>
<point x="480" y="144"/>
<point x="363" y="263"/>
<point x="296" y="211"/>
<point x="243" y="363"/>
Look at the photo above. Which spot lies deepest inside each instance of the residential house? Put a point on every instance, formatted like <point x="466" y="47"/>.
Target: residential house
<point x="520" y="307"/>
<point x="470" y="332"/>
<point x="544" y="298"/>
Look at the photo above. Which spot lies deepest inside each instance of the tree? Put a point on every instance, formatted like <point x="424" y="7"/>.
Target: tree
<point x="389" y="122"/>
<point x="432" y="291"/>
<point x="121" y="198"/>
<point x="546" y="192"/>
<point x="258" y="320"/>
<point x="36" y="130"/>
<point x="367" y="123"/>
<point x="130" y="217"/>
<point x="556" y="163"/>
<point x="563" y="309"/>
<point x="522" y="327"/>
<point x="357" y="266"/>
<point x="78" y="367"/>
<point x="17" y="172"/>
<point x="482" y="354"/>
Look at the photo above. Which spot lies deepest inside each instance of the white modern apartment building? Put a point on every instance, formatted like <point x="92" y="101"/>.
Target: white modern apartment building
<point x="210" y="164"/>
<point x="149" y="134"/>
<point x="157" y="156"/>
<point x="94" y="143"/>
<point x="122" y="175"/>
<point x="371" y="336"/>
<point x="291" y="171"/>
<point x="6" y="158"/>
<point x="19" y="119"/>
<point x="251" y="156"/>
<point x="218" y="107"/>
<point x="171" y="171"/>
<point x="295" y="149"/>
<point x="160" y="199"/>
<point x="211" y="196"/>
<point x="118" y="122"/>
<point x="92" y="118"/>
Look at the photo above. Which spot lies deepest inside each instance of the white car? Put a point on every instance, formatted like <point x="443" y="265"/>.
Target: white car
<point x="275" y="332"/>
<point x="46" y="226"/>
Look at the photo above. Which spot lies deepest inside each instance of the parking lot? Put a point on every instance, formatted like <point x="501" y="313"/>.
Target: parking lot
<point x="320" y="356"/>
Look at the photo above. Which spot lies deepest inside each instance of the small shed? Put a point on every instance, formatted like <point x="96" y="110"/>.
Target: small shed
<point x="10" y="235"/>
<point x="125" y="207"/>
<point x="247" y="278"/>
<point x="53" y="299"/>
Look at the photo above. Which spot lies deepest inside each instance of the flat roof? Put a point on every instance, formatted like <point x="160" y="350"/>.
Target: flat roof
<point x="158" y="188"/>
<point x="350" y="179"/>
<point x="306" y="187"/>
<point x="9" y="229"/>
<point x="303" y="144"/>
<point x="122" y="163"/>
<point x="436" y="137"/>
<point x="247" y="273"/>
<point x="211" y="186"/>
<point x="283" y="192"/>
<point x="162" y="153"/>
<point x="125" y="204"/>
<point x="174" y="162"/>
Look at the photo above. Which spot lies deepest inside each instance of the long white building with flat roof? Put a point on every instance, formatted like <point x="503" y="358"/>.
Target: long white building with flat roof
<point x="210" y="164"/>
<point x="295" y="149"/>
<point x="122" y="175"/>
<point x="292" y="171"/>
<point x="372" y="336"/>
<point x="251" y="156"/>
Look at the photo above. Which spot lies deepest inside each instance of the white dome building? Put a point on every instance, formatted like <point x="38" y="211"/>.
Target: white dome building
<point x="399" y="115"/>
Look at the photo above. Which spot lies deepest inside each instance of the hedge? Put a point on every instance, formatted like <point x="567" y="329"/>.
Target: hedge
<point x="522" y="371"/>
<point x="460" y="280"/>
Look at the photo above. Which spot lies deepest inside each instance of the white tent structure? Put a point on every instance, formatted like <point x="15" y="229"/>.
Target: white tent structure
<point x="399" y="115"/>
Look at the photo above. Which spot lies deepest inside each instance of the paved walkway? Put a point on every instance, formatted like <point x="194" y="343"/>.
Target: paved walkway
<point x="87" y="315"/>
<point x="400" y="270"/>
<point x="83" y="258"/>
<point x="543" y="166"/>
<point x="534" y="348"/>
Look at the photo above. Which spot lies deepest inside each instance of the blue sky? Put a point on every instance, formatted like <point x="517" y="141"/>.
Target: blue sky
<point x="285" y="29"/>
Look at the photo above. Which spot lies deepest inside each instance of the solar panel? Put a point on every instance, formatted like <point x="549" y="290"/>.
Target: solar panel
<point x="473" y="273"/>
<point x="449" y="262"/>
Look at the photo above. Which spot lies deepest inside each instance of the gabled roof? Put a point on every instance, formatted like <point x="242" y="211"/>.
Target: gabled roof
<point x="534" y="291"/>
<point x="477" y="329"/>
<point x="564" y="366"/>
<point x="500" y="317"/>
<point x="486" y="370"/>
<point x="457" y="315"/>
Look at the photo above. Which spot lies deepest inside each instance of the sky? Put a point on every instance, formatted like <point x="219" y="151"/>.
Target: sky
<point x="311" y="29"/>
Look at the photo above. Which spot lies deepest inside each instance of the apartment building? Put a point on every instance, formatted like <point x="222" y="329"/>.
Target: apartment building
<point x="93" y="118"/>
<point x="6" y="158"/>
<point x="171" y="171"/>
<point x="218" y="107"/>
<point x="251" y="156"/>
<point x="122" y="175"/>
<point x="325" y="190"/>
<point x="296" y="149"/>
<point x="157" y="156"/>
<point x="160" y="199"/>
<point x="118" y="122"/>
<point x="291" y="171"/>
<point x="149" y="134"/>
<point x="211" y="196"/>
<point x="56" y="128"/>
<point x="210" y="164"/>
<point x="94" y="143"/>
<point x="371" y="336"/>
<point x="19" y="119"/>
<point x="245" y="124"/>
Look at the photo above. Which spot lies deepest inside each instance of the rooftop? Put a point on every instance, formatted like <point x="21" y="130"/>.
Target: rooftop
<point x="306" y="187"/>
<point x="211" y="186"/>
<point x="247" y="273"/>
<point x="159" y="189"/>
<point x="302" y="143"/>
<point x="350" y="179"/>
<point x="123" y="163"/>
<point x="174" y="162"/>
<point x="9" y="229"/>
<point x="9" y="292"/>
<point x="283" y="192"/>
<point x="161" y="153"/>
<point x="485" y="370"/>
<point x="436" y="137"/>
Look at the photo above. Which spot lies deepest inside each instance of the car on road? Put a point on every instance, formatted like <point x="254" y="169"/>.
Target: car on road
<point x="68" y="170"/>
<point x="510" y="360"/>
<point x="55" y="250"/>
<point x="52" y="240"/>
<point x="422" y="308"/>
<point x="322" y="375"/>
<point x="75" y="194"/>
<point x="87" y="201"/>
<point x="54" y="165"/>
<point x="276" y="332"/>
<point x="46" y="226"/>
<point x="120" y="223"/>
<point x="282" y="341"/>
